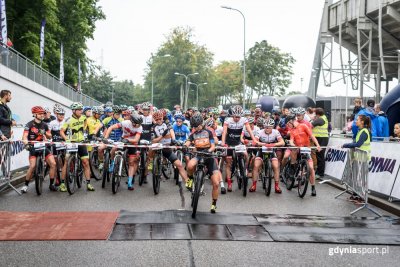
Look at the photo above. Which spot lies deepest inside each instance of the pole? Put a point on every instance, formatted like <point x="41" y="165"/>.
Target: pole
<point x="152" y="85"/>
<point x="197" y="96"/>
<point x="244" y="60"/>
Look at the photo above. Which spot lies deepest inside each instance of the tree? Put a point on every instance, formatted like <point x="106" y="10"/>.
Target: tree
<point x="268" y="70"/>
<point x="99" y="85"/>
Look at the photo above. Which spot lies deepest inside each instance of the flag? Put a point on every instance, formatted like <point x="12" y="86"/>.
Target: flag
<point x="62" y="64"/>
<point x="3" y="21"/>
<point x="79" y="75"/>
<point x="42" y="39"/>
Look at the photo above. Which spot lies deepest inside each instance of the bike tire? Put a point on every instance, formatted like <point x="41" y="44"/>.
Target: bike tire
<point x="242" y="174"/>
<point x="71" y="175"/>
<point x="60" y="159"/>
<point x="142" y="167"/>
<point x="304" y="174"/>
<point x="268" y="177"/>
<point x="116" y="177"/>
<point x="79" y="177"/>
<point x="105" y="173"/>
<point x="196" y="191"/>
<point x="287" y="177"/>
<point x="94" y="165"/>
<point x="156" y="174"/>
<point x="39" y="176"/>
<point x="126" y="163"/>
<point x="176" y="171"/>
<point x="166" y="169"/>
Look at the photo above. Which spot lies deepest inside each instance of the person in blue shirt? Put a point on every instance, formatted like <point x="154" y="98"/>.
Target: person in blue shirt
<point x="383" y="130"/>
<point x="181" y="130"/>
<point x="369" y="112"/>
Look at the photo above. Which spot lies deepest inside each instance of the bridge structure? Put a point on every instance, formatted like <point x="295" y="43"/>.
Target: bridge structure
<point x="368" y="35"/>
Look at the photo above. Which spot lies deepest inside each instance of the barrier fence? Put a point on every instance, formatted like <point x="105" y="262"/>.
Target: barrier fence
<point x="5" y="166"/>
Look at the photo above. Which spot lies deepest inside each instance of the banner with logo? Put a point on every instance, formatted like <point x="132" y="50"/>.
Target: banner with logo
<point x="19" y="156"/>
<point x="336" y="158"/>
<point x="42" y="39"/>
<point x="3" y="21"/>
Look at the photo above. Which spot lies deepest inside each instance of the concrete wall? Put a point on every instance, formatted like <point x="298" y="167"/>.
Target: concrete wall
<point x="27" y="93"/>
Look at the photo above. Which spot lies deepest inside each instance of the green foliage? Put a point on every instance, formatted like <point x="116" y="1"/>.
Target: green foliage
<point x="70" y="22"/>
<point x="268" y="70"/>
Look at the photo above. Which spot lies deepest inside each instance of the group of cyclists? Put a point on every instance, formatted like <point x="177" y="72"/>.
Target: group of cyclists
<point x="205" y="130"/>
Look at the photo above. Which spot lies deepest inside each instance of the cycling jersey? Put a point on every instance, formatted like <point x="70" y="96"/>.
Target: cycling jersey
<point x="36" y="131"/>
<point x="246" y="134"/>
<point x="77" y="126"/>
<point x="92" y="124"/>
<point x="55" y="127"/>
<point x="159" y="130"/>
<point x="273" y="137"/>
<point x="128" y="131"/>
<point x="306" y="123"/>
<point x="116" y="134"/>
<point x="219" y="131"/>
<point x="181" y="132"/>
<point x="301" y="135"/>
<point x="235" y="129"/>
<point x="202" y="139"/>
<point x="147" y="125"/>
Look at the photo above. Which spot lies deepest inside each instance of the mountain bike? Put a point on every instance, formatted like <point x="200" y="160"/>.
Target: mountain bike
<point x="239" y="167"/>
<point x="74" y="168"/>
<point x="119" y="164"/>
<point x="142" y="161"/>
<point x="267" y="172"/>
<point x="39" y="173"/>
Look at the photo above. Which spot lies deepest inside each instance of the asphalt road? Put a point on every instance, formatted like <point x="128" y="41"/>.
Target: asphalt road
<point x="183" y="252"/>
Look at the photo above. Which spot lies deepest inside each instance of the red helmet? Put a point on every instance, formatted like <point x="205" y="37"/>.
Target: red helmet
<point x="164" y="112"/>
<point x="126" y="112"/>
<point x="158" y="115"/>
<point x="38" y="109"/>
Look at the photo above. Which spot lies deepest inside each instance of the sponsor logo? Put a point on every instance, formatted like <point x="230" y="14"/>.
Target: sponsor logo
<point x="333" y="155"/>
<point x="378" y="164"/>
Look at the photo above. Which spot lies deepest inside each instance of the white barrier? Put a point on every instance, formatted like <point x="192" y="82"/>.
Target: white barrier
<point x="19" y="156"/>
<point x="383" y="167"/>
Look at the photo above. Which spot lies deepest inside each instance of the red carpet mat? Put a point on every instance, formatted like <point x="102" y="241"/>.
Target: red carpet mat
<point x="56" y="225"/>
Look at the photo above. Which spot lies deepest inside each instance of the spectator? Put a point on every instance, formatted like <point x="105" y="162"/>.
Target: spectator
<point x="320" y="131"/>
<point x="310" y="114"/>
<point x="347" y="127"/>
<point x="5" y="115"/>
<point x="369" y="112"/>
<point x="357" y="105"/>
<point x="363" y="137"/>
<point x="383" y="130"/>
<point x="396" y="132"/>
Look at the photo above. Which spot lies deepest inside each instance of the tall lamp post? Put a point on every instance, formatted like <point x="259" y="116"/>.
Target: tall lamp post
<point x="197" y="91"/>
<point x="244" y="52"/>
<point x="186" y="86"/>
<point x="152" y="75"/>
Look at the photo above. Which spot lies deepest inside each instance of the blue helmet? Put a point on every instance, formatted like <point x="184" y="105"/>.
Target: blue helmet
<point x="86" y="108"/>
<point x="108" y="109"/>
<point x="179" y="116"/>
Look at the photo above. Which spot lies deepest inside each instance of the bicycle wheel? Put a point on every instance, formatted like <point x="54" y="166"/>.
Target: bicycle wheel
<point x="94" y="165"/>
<point x="268" y="177"/>
<point x="288" y="176"/>
<point x="302" y="178"/>
<point x="71" y="175"/>
<point x="105" y="169"/>
<point x="126" y="163"/>
<point x="156" y="174"/>
<point x="196" y="191"/>
<point x="59" y="165"/>
<point x="166" y="169"/>
<point x="116" y="176"/>
<point x="142" y="167"/>
<point x="39" y="175"/>
<point x="243" y="176"/>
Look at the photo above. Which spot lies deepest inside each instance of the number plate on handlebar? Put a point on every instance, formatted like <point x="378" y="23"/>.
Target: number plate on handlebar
<point x="71" y="148"/>
<point x="305" y="150"/>
<point x="60" y="146"/>
<point x="39" y="146"/>
<point x="157" y="146"/>
<point x="240" y="149"/>
<point x="144" y="142"/>
<point x="267" y="149"/>
<point x="119" y="145"/>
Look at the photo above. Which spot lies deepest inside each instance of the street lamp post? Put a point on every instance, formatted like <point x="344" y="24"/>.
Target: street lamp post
<point x="197" y="91"/>
<point x="152" y="75"/>
<point x="244" y="52"/>
<point x="186" y="87"/>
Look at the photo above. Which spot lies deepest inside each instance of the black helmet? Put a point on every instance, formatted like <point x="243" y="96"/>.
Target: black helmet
<point x="136" y="119"/>
<point x="290" y="117"/>
<point x="196" y="120"/>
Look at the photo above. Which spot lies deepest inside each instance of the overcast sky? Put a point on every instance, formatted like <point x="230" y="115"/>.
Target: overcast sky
<point x="135" y="29"/>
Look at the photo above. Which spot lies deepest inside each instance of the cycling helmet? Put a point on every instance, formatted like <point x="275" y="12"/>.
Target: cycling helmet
<point x="193" y="108"/>
<point x="109" y="104"/>
<point x="250" y="120"/>
<point x="163" y="111"/>
<point x="146" y="105"/>
<point x="179" y="116"/>
<point x="293" y="110"/>
<point x="202" y="110"/>
<point x="116" y="109"/>
<point x="76" y="105"/>
<point x="126" y="112"/>
<point x="290" y="117"/>
<point x="260" y="122"/>
<point x="86" y="108"/>
<point x="158" y="115"/>
<point x="47" y="109"/>
<point x="97" y="109"/>
<point x="300" y="111"/>
<point x="38" y="109"/>
<point x="196" y="120"/>
<point x="108" y="109"/>
<point x="58" y="109"/>
<point x="155" y="109"/>
<point x="136" y="119"/>
<point x="247" y="112"/>
<point x="213" y="111"/>
<point x="131" y="108"/>
<point x="209" y="122"/>
<point x="236" y="111"/>
<point x="269" y="123"/>
<point x="223" y="113"/>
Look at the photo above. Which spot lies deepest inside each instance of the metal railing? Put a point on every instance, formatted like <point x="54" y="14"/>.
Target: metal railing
<point x="26" y="67"/>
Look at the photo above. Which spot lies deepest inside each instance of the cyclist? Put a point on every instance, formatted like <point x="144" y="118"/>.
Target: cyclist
<point x="233" y="128"/>
<point x="48" y="117"/>
<point x="181" y="130"/>
<point x="147" y="126"/>
<point x="245" y="138"/>
<point x="94" y="122"/>
<point x="300" y="136"/>
<point x="126" y="114"/>
<point x="55" y="125"/>
<point x="77" y="126"/>
<point x="165" y="135"/>
<point x="131" y="135"/>
<point x="300" y="112"/>
<point x="203" y="140"/>
<point x="87" y="111"/>
<point x="268" y="137"/>
<point x="38" y="131"/>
